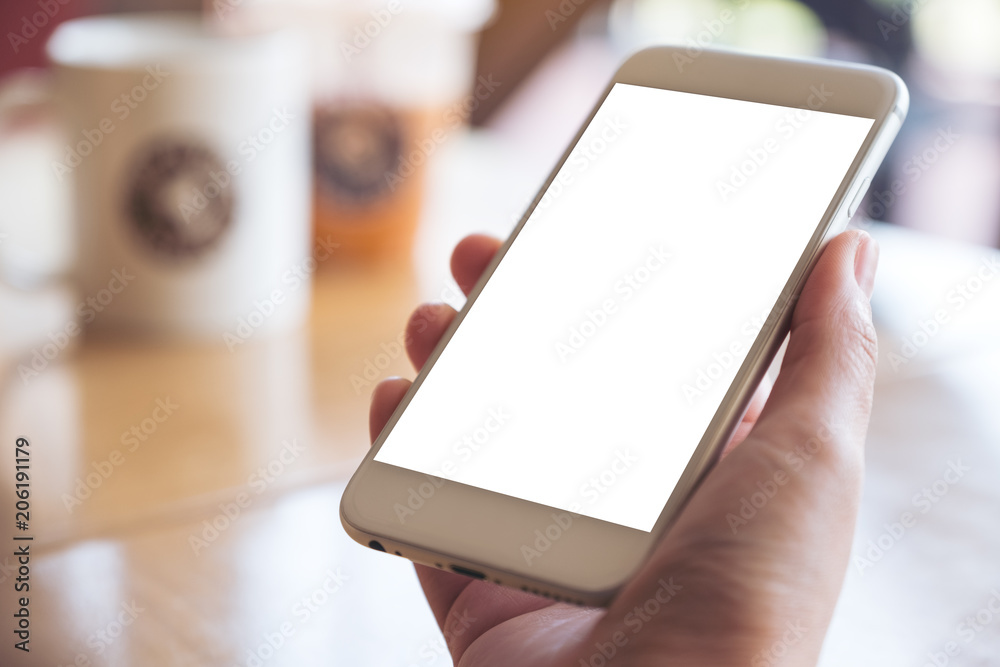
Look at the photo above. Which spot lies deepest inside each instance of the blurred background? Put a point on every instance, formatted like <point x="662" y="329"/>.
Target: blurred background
<point x="553" y="57"/>
<point x="185" y="485"/>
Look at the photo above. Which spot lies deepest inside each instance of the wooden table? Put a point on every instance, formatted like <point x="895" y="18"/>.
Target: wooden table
<point x="196" y="489"/>
<point x="184" y="498"/>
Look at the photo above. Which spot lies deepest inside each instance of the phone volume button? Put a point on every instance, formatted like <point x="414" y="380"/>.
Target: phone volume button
<point x="858" y="197"/>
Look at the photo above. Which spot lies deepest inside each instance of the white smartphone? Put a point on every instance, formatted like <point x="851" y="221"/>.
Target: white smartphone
<point x="612" y="347"/>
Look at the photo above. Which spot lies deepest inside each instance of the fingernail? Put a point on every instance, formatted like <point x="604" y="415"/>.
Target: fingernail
<point x="866" y="263"/>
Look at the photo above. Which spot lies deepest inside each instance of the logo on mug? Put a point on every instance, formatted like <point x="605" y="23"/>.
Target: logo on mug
<point x="357" y="151"/>
<point x="180" y="199"/>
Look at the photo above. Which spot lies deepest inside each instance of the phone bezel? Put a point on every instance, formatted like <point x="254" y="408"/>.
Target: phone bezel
<point x="483" y="530"/>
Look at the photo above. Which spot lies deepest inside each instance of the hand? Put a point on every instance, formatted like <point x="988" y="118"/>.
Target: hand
<point x="751" y="588"/>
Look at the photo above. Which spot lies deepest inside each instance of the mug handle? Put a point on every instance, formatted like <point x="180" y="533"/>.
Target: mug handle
<point x="26" y="96"/>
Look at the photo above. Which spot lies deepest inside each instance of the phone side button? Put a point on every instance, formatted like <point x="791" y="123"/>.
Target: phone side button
<point x="856" y="202"/>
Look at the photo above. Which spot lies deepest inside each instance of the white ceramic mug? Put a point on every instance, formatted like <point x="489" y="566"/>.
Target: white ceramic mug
<point x="189" y="157"/>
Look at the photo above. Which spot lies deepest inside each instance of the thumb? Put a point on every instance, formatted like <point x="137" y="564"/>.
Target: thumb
<point x="809" y="438"/>
<point x="824" y="390"/>
<point x="766" y="538"/>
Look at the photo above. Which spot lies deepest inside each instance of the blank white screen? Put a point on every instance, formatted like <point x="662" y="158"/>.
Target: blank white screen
<point x="603" y="421"/>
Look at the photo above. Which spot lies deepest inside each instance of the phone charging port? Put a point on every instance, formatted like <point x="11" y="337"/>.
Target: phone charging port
<point x="467" y="572"/>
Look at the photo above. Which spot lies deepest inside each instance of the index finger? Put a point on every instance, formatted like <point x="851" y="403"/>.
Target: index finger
<point x="471" y="257"/>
